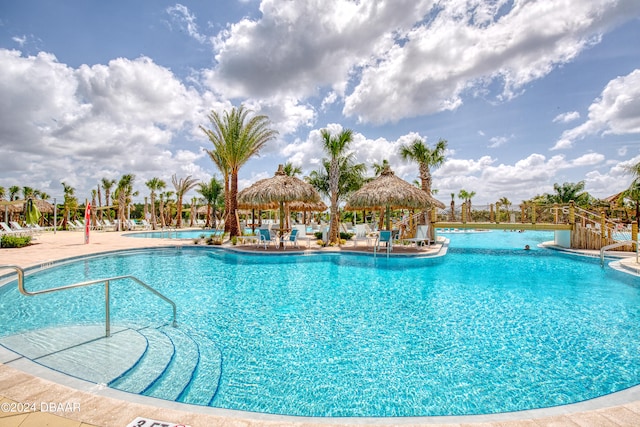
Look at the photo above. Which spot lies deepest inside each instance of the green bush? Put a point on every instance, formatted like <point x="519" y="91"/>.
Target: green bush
<point x="14" y="241"/>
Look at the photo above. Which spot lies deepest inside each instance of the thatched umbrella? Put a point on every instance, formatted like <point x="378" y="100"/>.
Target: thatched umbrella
<point x="279" y="189"/>
<point x="388" y="191"/>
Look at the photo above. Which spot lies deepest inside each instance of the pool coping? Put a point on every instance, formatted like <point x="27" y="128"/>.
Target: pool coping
<point x="615" y="407"/>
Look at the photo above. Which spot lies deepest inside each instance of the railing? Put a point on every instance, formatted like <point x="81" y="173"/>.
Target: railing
<point x="106" y="281"/>
<point x="617" y="245"/>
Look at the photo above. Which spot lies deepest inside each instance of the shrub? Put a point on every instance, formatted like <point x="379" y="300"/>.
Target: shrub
<point x="14" y="241"/>
<point x="318" y="235"/>
<point x="345" y="236"/>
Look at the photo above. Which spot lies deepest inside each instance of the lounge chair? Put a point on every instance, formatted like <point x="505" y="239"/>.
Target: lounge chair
<point x="20" y="229"/>
<point x="362" y="233"/>
<point x="291" y="238"/>
<point x="265" y="237"/>
<point x="302" y="234"/>
<point x="386" y="237"/>
<point x="6" y="230"/>
<point x="422" y="236"/>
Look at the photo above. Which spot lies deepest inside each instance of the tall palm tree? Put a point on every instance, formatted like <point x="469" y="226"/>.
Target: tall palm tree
<point x="452" y="216"/>
<point x="379" y="167"/>
<point x="107" y="185"/>
<point x="70" y="204"/>
<point x="291" y="170"/>
<point x="426" y="158"/>
<point x="221" y="164"/>
<point x="154" y="184"/>
<point x="28" y="193"/>
<point x="506" y="203"/>
<point x="466" y="197"/>
<point x="182" y="186"/>
<point x="335" y="147"/>
<point x="124" y="191"/>
<point x="236" y="138"/>
<point x="569" y="191"/>
<point x="211" y="192"/>
<point x="14" y="190"/>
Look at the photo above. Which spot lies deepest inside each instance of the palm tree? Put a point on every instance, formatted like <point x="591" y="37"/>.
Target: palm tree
<point x="154" y="184"/>
<point x="379" y="167"/>
<point x="210" y="192"/>
<point x="124" y="191"/>
<point x="182" y="186"/>
<point x="236" y="139"/>
<point x="291" y="170"/>
<point x="221" y="164"/>
<point x="3" y="192"/>
<point x="506" y="203"/>
<point x="70" y="204"/>
<point x="466" y="197"/>
<point x="13" y="192"/>
<point x="107" y="185"/>
<point x="28" y="193"/>
<point x="569" y="191"/>
<point x="335" y="146"/>
<point x="452" y="217"/>
<point x="426" y="158"/>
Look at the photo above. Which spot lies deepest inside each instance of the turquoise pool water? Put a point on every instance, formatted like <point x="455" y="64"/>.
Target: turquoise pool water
<point x="488" y="328"/>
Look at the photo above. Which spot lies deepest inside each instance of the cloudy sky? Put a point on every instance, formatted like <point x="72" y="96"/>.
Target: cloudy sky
<point x="527" y="93"/>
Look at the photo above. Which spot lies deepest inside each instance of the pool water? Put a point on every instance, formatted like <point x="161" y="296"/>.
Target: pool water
<point x="487" y="328"/>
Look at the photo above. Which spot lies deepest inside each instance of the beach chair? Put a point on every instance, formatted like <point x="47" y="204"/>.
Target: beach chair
<point x="386" y="237"/>
<point x="421" y="237"/>
<point x="265" y="237"/>
<point x="291" y="238"/>
<point x="362" y="233"/>
<point x="8" y="230"/>
<point x="20" y="229"/>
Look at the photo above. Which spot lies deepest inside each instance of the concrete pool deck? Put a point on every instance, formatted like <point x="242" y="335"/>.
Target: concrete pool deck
<point x="31" y="395"/>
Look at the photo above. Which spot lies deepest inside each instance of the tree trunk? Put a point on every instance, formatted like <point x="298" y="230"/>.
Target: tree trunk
<point x="231" y="224"/>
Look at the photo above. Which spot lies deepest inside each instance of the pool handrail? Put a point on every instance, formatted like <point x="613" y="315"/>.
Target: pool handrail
<point x="24" y="291"/>
<point x="617" y="245"/>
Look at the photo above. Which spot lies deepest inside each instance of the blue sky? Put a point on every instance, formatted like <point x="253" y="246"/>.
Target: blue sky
<point x="527" y="94"/>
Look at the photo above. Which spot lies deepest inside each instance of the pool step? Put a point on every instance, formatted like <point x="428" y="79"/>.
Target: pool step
<point x="204" y="384"/>
<point x="178" y="374"/>
<point x="81" y="351"/>
<point x="164" y="362"/>
<point x="152" y="364"/>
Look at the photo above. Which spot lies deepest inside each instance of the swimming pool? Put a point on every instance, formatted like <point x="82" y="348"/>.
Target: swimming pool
<point x="482" y="330"/>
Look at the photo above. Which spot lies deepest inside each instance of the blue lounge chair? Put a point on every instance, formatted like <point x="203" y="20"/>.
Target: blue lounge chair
<point x="292" y="238"/>
<point x="265" y="237"/>
<point x="386" y="237"/>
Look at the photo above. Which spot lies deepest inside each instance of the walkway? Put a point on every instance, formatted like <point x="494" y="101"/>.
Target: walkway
<point x="56" y="400"/>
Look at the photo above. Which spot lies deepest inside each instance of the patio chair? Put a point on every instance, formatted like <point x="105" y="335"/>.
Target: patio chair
<point x="20" y="229"/>
<point x="421" y="237"/>
<point x="386" y="237"/>
<point x="362" y="233"/>
<point x="292" y="239"/>
<point x="6" y="230"/>
<point x="265" y="237"/>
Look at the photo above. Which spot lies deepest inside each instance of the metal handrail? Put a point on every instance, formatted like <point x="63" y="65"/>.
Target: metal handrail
<point x="617" y="245"/>
<point x="106" y="281"/>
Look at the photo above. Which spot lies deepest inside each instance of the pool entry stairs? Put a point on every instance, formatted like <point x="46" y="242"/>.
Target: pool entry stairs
<point x="161" y="361"/>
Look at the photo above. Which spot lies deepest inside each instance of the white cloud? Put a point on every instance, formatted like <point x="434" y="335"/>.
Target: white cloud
<point x="498" y="141"/>
<point x="566" y="117"/>
<point x="20" y="40"/>
<point x="75" y="124"/>
<point x="616" y="111"/>
<point x="186" y="21"/>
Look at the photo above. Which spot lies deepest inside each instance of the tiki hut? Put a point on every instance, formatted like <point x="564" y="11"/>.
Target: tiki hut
<point x="390" y="192"/>
<point x="278" y="190"/>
